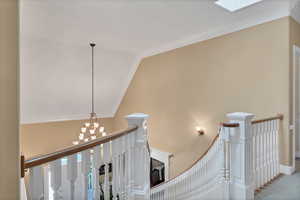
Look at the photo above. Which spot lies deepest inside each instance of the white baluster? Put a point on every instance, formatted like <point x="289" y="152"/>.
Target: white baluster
<point x="46" y="182"/>
<point x="115" y="167"/>
<point x="265" y="154"/>
<point x="36" y="183"/>
<point x="272" y="149"/>
<point x="97" y="163"/>
<point x="86" y="169"/>
<point x="114" y="170"/>
<point x="122" y="169"/>
<point x="225" y="153"/>
<point x="269" y="149"/>
<point x="72" y="173"/>
<point x="261" y="155"/>
<point x="254" y="153"/>
<point x="106" y="160"/>
<point x="127" y="166"/>
<point x="258" y="156"/>
<point x="55" y="169"/>
<point x="277" y="147"/>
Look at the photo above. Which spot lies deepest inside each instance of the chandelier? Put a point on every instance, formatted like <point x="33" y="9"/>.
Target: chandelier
<point x="91" y="128"/>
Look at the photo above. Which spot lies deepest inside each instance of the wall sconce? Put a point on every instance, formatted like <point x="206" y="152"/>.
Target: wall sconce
<point x="200" y="130"/>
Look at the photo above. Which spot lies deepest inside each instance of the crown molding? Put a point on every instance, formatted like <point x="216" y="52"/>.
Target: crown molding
<point x="62" y="118"/>
<point x="240" y="25"/>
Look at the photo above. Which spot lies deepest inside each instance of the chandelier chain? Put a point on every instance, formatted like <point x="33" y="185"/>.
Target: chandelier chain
<point x="93" y="108"/>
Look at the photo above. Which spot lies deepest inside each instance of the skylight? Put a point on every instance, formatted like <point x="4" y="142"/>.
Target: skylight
<point x="234" y="5"/>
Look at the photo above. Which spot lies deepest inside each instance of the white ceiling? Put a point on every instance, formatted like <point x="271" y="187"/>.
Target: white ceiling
<point x="55" y="55"/>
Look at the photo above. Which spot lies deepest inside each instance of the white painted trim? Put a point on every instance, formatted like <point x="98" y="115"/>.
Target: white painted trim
<point x="23" y="189"/>
<point x="297" y="154"/>
<point x="287" y="170"/>
<point x="62" y="118"/>
<point x="296" y="50"/>
<point x="162" y="157"/>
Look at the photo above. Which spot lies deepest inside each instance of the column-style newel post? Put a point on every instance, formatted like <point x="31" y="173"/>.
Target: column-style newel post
<point x="139" y="180"/>
<point x="242" y="157"/>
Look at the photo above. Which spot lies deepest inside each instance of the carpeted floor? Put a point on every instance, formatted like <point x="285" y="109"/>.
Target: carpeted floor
<point x="284" y="188"/>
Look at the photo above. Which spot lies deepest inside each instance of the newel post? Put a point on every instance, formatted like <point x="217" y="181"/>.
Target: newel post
<point x="140" y="159"/>
<point x="242" y="185"/>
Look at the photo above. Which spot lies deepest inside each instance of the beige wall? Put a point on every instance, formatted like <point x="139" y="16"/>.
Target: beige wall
<point x="198" y="84"/>
<point x="9" y="105"/>
<point x="42" y="138"/>
<point x="294" y="40"/>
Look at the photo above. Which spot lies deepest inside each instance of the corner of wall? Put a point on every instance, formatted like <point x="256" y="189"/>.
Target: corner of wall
<point x="295" y="11"/>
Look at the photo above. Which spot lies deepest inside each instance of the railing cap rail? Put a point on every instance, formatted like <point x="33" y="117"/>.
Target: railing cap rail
<point x="279" y="117"/>
<point x="39" y="160"/>
<point x="234" y="125"/>
<point x="230" y="125"/>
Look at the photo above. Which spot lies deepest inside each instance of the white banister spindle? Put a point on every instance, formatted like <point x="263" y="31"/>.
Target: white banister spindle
<point x="106" y="160"/>
<point x="262" y="160"/>
<point x="225" y="136"/>
<point x="266" y="151"/>
<point x="139" y="183"/>
<point x="97" y="162"/>
<point x="36" y="183"/>
<point x="242" y="158"/>
<point x="55" y="169"/>
<point x="265" y="179"/>
<point x="23" y="194"/>
<point x="273" y="135"/>
<point x="277" y="147"/>
<point x="86" y="169"/>
<point x="115" y="168"/>
<point x="72" y="174"/>
<point x="205" y="180"/>
<point x="268" y="178"/>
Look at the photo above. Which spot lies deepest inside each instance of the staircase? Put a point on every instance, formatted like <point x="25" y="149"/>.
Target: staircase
<point x="242" y="158"/>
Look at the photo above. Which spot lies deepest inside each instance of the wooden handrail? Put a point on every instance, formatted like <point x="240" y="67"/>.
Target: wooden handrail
<point x="234" y="125"/>
<point x="22" y="166"/>
<point x="39" y="160"/>
<point x="279" y="116"/>
<point x="230" y="125"/>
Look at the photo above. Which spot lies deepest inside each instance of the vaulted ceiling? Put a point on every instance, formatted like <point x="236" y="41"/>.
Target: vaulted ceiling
<point x="55" y="55"/>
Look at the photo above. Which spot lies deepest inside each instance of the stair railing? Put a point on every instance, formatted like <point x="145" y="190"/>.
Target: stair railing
<point x="73" y="173"/>
<point x="242" y="158"/>
<point x="265" y="139"/>
<point x="207" y="178"/>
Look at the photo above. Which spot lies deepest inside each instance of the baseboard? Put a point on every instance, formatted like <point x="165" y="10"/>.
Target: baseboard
<point x="287" y="170"/>
<point x="297" y="154"/>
